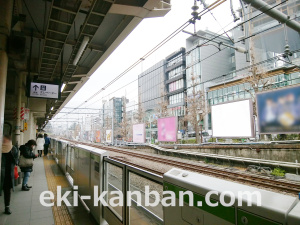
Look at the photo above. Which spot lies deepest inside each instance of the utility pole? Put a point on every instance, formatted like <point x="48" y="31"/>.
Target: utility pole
<point x="112" y="127"/>
<point x="150" y="130"/>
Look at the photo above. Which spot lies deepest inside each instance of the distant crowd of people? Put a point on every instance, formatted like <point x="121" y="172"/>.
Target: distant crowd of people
<point x="22" y="157"/>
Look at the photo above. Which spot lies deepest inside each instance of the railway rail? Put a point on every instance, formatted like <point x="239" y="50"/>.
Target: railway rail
<point x="255" y="180"/>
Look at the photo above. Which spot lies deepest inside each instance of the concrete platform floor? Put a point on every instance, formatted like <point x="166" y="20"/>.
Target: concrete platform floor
<point x="27" y="209"/>
<point x="25" y="205"/>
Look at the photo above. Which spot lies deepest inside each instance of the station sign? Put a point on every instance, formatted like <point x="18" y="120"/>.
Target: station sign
<point x="44" y="90"/>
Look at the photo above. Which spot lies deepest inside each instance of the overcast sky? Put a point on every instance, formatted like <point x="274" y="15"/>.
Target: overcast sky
<point x="142" y="39"/>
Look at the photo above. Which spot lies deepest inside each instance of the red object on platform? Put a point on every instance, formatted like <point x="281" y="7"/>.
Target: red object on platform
<point x="22" y="113"/>
<point x="16" y="173"/>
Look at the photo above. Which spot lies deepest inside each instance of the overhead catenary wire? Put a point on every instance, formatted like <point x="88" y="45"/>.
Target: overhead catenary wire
<point x="186" y="53"/>
<point x="237" y="26"/>
<point x="213" y="79"/>
<point x="152" y="51"/>
<point x="186" y="68"/>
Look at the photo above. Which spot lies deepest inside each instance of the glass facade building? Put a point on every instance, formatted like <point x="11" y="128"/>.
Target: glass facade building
<point x="238" y="90"/>
<point x="175" y="79"/>
<point x="151" y="85"/>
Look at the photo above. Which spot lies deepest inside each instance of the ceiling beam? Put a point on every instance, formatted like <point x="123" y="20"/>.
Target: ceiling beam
<point x="39" y="36"/>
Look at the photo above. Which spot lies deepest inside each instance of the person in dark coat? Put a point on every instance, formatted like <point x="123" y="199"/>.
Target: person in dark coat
<point x="8" y="161"/>
<point x="47" y="144"/>
<point x="27" y="152"/>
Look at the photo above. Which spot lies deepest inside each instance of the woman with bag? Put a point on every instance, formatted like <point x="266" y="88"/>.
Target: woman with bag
<point x="8" y="161"/>
<point x="40" y="141"/>
<point x="26" y="162"/>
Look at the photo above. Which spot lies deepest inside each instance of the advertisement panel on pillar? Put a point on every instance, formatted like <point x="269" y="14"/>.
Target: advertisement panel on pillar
<point x="279" y="111"/>
<point x="167" y="129"/>
<point x="44" y="90"/>
<point x="108" y="136"/>
<point x="139" y="131"/>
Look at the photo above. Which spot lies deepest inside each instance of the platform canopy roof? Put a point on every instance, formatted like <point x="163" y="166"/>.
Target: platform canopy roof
<point x="67" y="40"/>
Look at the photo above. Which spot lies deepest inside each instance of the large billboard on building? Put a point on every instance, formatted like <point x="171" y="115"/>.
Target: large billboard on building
<point x="233" y="119"/>
<point x="167" y="129"/>
<point x="139" y="133"/>
<point x="279" y="111"/>
<point x="108" y="136"/>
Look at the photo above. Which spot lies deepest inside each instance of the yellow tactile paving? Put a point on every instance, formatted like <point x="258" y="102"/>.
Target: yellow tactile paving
<point x="60" y="213"/>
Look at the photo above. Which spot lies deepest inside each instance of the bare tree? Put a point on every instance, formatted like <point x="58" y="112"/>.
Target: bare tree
<point x="162" y="105"/>
<point x="124" y="125"/>
<point x="257" y="78"/>
<point x="196" y="107"/>
<point x="140" y="113"/>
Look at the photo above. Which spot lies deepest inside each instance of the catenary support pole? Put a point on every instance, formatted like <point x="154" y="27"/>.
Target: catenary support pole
<point x="5" y="24"/>
<point x="112" y="126"/>
<point x="274" y="13"/>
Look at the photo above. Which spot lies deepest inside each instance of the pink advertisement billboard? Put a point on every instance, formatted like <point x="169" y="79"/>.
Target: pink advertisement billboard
<point x="138" y="131"/>
<point x="167" y="129"/>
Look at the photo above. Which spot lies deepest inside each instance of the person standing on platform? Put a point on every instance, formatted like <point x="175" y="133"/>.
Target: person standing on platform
<point x="40" y="142"/>
<point x="8" y="161"/>
<point x="47" y="144"/>
<point x="27" y="152"/>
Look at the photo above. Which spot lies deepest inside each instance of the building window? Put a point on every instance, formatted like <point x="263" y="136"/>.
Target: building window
<point x="177" y="111"/>
<point x="175" y="72"/>
<point x="176" y="85"/>
<point x="175" y="60"/>
<point x="174" y="99"/>
<point x="295" y="78"/>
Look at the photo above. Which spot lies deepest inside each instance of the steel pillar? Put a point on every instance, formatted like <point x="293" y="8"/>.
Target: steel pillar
<point x="5" y="24"/>
<point x="274" y="13"/>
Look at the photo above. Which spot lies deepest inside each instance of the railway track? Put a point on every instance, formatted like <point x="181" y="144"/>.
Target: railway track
<point x="255" y="180"/>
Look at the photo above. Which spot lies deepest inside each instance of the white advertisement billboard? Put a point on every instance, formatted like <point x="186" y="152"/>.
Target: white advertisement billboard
<point x="138" y="133"/>
<point x="233" y="120"/>
<point x="43" y="90"/>
<point x="108" y="136"/>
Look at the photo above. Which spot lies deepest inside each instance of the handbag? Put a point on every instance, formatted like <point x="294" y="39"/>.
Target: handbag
<point x="25" y="162"/>
<point x="16" y="173"/>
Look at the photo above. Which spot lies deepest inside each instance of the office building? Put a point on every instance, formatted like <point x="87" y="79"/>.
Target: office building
<point x="151" y="86"/>
<point x="175" y="80"/>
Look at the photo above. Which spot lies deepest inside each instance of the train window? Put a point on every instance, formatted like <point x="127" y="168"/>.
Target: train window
<point x="72" y="158"/>
<point x="113" y="184"/>
<point x="150" y="214"/>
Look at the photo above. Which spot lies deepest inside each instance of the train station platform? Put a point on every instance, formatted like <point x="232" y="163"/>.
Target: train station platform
<point x="26" y="207"/>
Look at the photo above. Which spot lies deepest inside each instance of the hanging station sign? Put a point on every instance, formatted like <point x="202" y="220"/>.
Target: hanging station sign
<point x="44" y="90"/>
